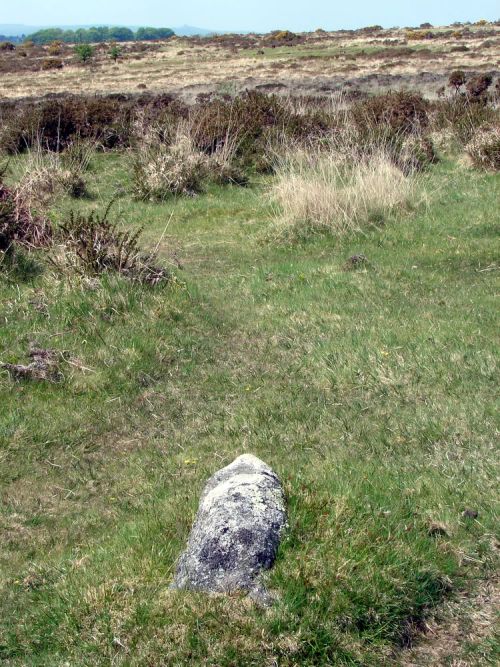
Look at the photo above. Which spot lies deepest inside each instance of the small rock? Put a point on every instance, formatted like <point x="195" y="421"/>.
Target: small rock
<point x="236" y="532"/>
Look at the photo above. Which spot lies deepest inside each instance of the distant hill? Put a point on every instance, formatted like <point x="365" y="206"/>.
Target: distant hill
<point x="17" y="29"/>
<point x="189" y="31"/>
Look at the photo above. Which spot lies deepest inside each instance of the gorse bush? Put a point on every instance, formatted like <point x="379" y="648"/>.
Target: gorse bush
<point x="55" y="49"/>
<point x="484" y="147"/>
<point x="252" y="119"/>
<point x="418" y="35"/>
<point x="47" y="173"/>
<point x="8" y="219"/>
<point x="99" y="246"/>
<point x="168" y="161"/>
<point x="414" y="154"/>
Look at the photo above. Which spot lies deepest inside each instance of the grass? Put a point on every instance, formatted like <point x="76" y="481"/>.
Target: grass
<point x="318" y="191"/>
<point x="371" y="392"/>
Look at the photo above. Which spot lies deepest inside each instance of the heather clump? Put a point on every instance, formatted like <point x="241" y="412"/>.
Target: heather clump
<point x="402" y="112"/>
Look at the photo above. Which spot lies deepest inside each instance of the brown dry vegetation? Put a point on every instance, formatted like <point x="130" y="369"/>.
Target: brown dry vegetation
<point x="313" y="63"/>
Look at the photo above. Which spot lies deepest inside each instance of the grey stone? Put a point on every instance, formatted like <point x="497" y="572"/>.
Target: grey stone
<point x="236" y="533"/>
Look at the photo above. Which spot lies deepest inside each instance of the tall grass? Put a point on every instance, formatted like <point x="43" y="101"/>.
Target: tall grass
<point x="318" y="190"/>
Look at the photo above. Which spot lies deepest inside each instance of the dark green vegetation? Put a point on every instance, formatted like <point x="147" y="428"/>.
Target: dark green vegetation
<point x="362" y="368"/>
<point x="98" y="35"/>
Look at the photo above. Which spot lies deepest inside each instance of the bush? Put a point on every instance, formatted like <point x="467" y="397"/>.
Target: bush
<point x="84" y="52"/>
<point x="402" y="112"/>
<point x="99" y="246"/>
<point x="7" y="46"/>
<point x="416" y="35"/>
<point x="477" y="87"/>
<point x="484" y="148"/>
<point x="415" y="154"/>
<point x="114" y="52"/>
<point x="52" y="63"/>
<point x="55" y="49"/>
<point x="456" y="80"/>
<point x="57" y="123"/>
<point x="252" y="120"/>
<point x="48" y="173"/>
<point x="463" y="116"/>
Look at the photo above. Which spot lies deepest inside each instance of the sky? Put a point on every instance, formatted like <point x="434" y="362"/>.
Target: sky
<point x="248" y="15"/>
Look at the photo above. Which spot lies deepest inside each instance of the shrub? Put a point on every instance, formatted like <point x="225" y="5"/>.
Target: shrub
<point x="477" y="87"/>
<point x="224" y="167"/>
<point x="253" y="118"/>
<point x="316" y="191"/>
<point x="402" y="112"/>
<point x="7" y="46"/>
<point x="484" y="148"/>
<point x="99" y="245"/>
<point x="47" y="173"/>
<point x="463" y="116"/>
<point x="52" y="63"/>
<point x="8" y="219"/>
<point x="282" y="38"/>
<point x="84" y="52"/>
<point x="114" y="52"/>
<point x="59" y="122"/>
<point x="416" y="35"/>
<point x="457" y="80"/>
<point x="55" y="49"/>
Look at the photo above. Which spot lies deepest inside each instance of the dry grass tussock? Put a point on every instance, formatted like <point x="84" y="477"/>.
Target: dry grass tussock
<point x="168" y="163"/>
<point x="47" y="173"/>
<point x="484" y="148"/>
<point x="321" y="190"/>
<point x="165" y="169"/>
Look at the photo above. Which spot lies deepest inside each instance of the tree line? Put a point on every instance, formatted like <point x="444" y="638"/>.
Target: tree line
<point x="97" y="35"/>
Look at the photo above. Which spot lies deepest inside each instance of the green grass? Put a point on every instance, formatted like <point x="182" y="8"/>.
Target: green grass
<point x="371" y="392"/>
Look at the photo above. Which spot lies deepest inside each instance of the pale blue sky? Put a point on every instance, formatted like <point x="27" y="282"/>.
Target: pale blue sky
<point x="259" y="15"/>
